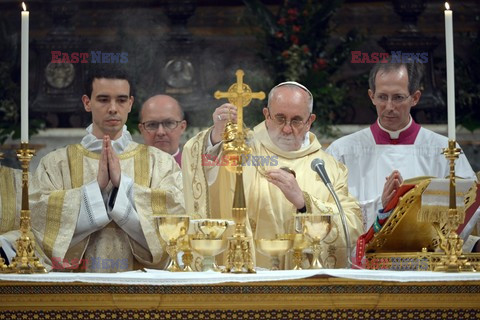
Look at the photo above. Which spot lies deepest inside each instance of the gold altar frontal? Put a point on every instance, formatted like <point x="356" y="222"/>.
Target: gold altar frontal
<point x="320" y="297"/>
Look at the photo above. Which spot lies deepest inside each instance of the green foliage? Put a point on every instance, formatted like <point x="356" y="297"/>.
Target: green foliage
<point x="297" y="46"/>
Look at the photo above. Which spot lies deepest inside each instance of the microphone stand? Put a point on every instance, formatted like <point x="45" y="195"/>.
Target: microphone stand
<point x="344" y="223"/>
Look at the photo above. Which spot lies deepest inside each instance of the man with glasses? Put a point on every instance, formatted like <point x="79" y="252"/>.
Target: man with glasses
<point x="280" y="181"/>
<point x="95" y="201"/>
<point x="395" y="147"/>
<point x="162" y="123"/>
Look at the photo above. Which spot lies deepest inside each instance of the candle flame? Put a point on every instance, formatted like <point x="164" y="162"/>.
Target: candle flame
<point x="447" y="6"/>
<point x="24" y="6"/>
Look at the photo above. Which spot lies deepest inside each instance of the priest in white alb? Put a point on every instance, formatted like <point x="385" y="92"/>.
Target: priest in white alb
<point x="93" y="203"/>
<point x="272" y="194"/>
<point x="395" y="147"/>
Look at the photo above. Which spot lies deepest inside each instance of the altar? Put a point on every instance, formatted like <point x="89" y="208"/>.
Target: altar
<point x="299" y="294"/>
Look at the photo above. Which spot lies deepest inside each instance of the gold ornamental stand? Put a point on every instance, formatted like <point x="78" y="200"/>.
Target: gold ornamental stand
<point x="453" y="260"/>
<point x="240" y="248"/>
<point x="25" y="261"/>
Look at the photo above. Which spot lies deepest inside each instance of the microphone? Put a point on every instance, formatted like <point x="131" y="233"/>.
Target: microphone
<point x="318" y="165"/>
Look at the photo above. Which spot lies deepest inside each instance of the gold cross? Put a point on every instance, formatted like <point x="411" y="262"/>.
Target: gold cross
<point x="240" y="95"/>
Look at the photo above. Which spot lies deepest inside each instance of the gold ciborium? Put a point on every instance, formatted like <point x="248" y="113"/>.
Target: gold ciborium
<point x="171" y="227"/>
<point x="212" y="228"/>
<point x="208" y="248"/>
<point x="316" y="227"/>
<point x="274" y="248"/>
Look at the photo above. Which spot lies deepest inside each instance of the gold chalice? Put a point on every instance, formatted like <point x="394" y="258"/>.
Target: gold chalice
<point x="274" y="248"/>
<point x="171" y="228"/>
<point x="316" y="227"/>
<point x="208" y="248"/>
<point x="300" y="242"/>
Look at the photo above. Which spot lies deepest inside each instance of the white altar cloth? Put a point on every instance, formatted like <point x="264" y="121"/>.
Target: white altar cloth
<point x="164" y="278"/>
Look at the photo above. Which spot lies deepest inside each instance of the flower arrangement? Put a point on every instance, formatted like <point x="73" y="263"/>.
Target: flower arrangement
<point x="297" y="46"/>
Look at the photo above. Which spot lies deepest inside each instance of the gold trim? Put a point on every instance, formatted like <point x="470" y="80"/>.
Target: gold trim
<point x="8" y="199"/>
<point x="204" y="181"/>
<point x="97" y="156"/>
<point x="54" y="214"/>
<point x="304" y="294"/>
<point x="442" y="193"/>
<point x="308" y="201"/>
<point x="75" y="162"/>
<point x="159" y="202"/>
<point x="142" y="169"/>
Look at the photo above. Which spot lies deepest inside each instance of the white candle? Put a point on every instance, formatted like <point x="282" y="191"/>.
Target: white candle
<point x="450" y="71"/>
<point x="24" y="76"/>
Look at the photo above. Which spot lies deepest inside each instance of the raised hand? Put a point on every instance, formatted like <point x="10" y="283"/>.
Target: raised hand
<point x="114" y="169"/>
<point x="220" y="117"/>
<point x="103" y="173"/>
<point x="287" y="183"/>
<point x="391" y="186"/>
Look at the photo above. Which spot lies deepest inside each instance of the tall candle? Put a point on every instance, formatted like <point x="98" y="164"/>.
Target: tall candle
<point x="450" y="71"/>
<point x="24" y="76"/>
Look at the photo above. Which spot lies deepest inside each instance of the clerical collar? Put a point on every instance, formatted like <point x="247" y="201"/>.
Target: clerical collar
<point x="176" y="153"/>
<point x="306" y="141"/>
<point x="407" y="135"/>
<point x="92" y="143"/>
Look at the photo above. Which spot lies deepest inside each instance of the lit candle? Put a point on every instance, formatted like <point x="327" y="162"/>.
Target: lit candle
<point x="450" y="72"/>
<point x="24" y="76"/>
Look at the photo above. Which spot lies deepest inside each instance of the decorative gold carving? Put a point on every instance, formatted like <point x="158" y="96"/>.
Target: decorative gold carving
<point x="408" y="229"/>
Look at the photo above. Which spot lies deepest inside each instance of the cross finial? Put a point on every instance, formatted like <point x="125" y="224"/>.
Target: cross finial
<point x="240" y="95"/>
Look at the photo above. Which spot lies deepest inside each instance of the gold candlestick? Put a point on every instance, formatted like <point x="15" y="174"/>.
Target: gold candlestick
<point x="25" y="261"/>
<point x="451" y="243"/>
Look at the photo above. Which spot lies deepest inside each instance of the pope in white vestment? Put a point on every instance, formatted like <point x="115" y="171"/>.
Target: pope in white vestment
<point x="74" y="220"/>
<point x="209" y="188"/>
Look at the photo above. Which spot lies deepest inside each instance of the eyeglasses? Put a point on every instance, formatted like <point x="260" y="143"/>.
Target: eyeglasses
<point x="396" y="98"/>
<point x="294" y="123"/>
<point x="154" y="125"/>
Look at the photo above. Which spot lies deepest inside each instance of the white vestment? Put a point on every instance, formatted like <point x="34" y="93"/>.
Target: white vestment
<point x="10" y="205"/>
<point x="370" y="163"/>
<point x="74" y="220"/>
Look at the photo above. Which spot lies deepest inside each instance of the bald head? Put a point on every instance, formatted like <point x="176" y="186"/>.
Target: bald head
<point x="169" y="104"/>
<point x="165" y="110"/>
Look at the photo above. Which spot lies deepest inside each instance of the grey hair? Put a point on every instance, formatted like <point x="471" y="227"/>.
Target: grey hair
<point x="292" y="84"/>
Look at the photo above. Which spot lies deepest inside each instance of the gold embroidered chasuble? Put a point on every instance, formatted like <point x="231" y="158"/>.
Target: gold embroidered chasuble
<point x="10" y="202"/>
<point x="269" y="212"/>
<point x="56" y="195"/>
